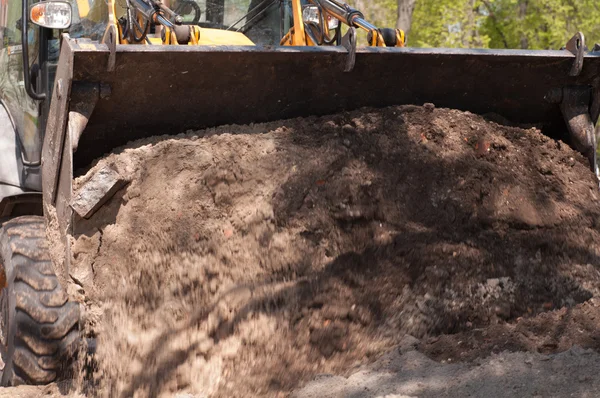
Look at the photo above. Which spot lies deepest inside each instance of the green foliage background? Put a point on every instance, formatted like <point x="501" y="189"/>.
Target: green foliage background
<point x="533" y="24"/>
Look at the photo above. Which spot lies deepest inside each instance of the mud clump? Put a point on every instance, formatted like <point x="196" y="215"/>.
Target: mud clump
<point x="245" y="260"/>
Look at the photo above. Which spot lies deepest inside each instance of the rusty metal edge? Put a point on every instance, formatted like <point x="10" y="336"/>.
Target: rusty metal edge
<point x="56" y="127"/>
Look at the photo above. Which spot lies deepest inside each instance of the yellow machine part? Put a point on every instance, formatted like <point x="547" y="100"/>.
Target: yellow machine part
<point x="216" y="37"/>
<point x="83" y="7"/>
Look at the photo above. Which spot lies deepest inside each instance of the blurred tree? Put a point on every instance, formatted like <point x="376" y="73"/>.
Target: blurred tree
<point x="449" y="23"/>
<point x="543" y="24"/>
<point x="379" y="12"/>
<point x="405" y="14"/>
<point x="534" y="24"/>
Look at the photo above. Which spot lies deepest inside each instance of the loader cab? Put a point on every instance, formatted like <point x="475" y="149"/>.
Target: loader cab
<point x="263" y="22"/>
<point x="26" y="76"/>
<point x="267" y="24"/>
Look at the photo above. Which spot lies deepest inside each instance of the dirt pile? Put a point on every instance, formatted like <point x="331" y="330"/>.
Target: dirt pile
<point x="245" y="260"/>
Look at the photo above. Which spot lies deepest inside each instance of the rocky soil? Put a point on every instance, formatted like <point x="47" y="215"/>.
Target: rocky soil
<point x="247" y="260"/>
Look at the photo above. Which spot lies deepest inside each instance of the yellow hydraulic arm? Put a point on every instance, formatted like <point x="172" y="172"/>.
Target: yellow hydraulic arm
<point x="321" y="13"/>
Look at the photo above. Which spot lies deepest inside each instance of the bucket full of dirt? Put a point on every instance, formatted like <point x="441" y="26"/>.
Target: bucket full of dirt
<point x="245" y="260"/>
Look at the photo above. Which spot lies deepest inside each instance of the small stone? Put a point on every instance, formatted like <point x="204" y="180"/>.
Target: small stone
<point x="348" y="129"/>
<point x="103" y="185"/>
<point x="335" y="312"/>
<point x="502" y="310"/>
<point x="493" y="282"/>
<point x="408" y="343"/>
<point x="428" y="106"/>
<point x="346" y="142"/>
<point x="328" y="126"/>
<point x="205" y="345"/>
<point x="482" y="147"/>
<point x="578" y="350"/>
<point x="422" y="306"/>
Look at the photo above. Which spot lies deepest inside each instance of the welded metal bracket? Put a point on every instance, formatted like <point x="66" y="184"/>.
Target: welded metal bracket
<point x="575" y="103"/>
<point x="349" y="42"/>
<point x="110" y="39"/>
<point x="576" y="46"/>
<point x="84" y="97"/>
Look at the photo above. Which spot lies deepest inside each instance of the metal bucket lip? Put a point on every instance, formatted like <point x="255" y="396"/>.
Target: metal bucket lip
<point x="329" y="50"/>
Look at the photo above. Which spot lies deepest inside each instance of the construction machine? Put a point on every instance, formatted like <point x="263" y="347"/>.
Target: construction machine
<point x="79" y="78"/>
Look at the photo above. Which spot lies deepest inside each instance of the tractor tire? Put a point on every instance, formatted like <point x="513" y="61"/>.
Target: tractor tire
<point x="39" y="327"/>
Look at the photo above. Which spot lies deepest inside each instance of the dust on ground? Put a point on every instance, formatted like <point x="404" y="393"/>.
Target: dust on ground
<point x="405" y="372"/>
<point x="246" y="260"/>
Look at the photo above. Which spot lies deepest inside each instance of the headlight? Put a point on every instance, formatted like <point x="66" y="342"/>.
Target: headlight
<point x="311" y="14"/>
<point x="51" y="14"/>
<point x="332" y="22"/>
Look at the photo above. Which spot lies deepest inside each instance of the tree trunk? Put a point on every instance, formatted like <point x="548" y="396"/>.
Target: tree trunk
<point x="522" y="15"/>
<point x="405" y="13"/>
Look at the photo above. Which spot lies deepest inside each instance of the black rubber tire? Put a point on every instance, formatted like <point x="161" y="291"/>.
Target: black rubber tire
<point x="39" y="327"/>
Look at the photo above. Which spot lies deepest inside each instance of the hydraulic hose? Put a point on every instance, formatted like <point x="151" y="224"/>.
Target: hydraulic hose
<point x="342" y="11"/>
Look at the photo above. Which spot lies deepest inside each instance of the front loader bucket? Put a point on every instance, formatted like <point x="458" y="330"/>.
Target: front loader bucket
<point x="157" y="90"/>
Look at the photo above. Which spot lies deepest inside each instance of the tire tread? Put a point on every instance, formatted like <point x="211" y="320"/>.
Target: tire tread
<point x="46" y="322"/>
